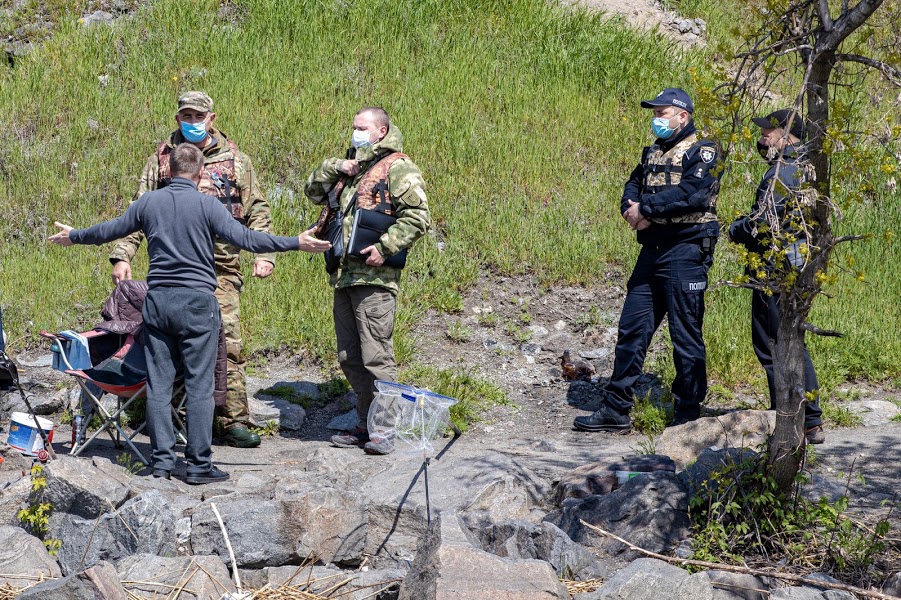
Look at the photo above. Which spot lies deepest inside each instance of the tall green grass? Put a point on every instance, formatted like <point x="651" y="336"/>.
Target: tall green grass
<point x="524" y="119"/>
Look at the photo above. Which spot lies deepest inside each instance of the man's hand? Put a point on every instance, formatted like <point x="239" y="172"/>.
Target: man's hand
<point x="634" y="217"/>
<point x="375" y="257"/>
<point x="310" y="243"/>
<point x="262" y="268"/>
<point x="62" y="236"/>
<point x="121" y="271"/>
<point x="349" y="167"/>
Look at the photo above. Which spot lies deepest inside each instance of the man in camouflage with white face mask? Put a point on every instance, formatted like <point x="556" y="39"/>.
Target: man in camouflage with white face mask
<point x="228" y="174"/>
<point x="365" y="287"/>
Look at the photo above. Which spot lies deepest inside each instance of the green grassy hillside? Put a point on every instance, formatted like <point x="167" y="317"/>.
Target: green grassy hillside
<point x="523" y="118"/>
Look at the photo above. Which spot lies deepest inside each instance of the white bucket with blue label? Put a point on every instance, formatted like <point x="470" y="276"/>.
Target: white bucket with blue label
<point x="24" y="435"/>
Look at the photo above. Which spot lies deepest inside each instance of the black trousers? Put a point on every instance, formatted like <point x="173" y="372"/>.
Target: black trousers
<point x="181" y="329"/>
<point x="765" y="327"/>
<point x="666" y="281"/>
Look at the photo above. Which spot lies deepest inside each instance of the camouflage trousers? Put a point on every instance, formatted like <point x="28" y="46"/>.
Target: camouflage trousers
<point x="235" y="411"/>
<point x="364" y="328"/>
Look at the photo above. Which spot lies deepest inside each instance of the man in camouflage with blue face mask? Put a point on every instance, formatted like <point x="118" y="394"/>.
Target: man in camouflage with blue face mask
<point x="365" y="287"/>
<point x="228" y="174"/>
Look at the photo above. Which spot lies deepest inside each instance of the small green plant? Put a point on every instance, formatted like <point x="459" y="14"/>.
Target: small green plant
<point x="269" y="429"/>
<point x="517" y="333"/>
<point x="524" y="317"/>
<point x="740" y="516"/>
<point x="475" y="396"/>
<point x="488" y="319"/>
<point x="128" y="462"/>
<point x="648" y="418"/>
<point x="458" y="332"/>
<point x="35" y="518"/>
<point x="593" y="318"/>
<point x="66" y="417"/>
<point x="290" y="394"/>
<point x="648" y="445"/>
<point x="336" y="386"/>
<point x="837" y="415"/>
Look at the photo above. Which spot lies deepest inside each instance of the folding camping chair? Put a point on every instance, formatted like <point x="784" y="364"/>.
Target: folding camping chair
<point x="117" y="367"/>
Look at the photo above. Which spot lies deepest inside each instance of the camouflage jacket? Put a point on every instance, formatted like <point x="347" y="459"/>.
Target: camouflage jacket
<point x="254" y="210"/>
<point x="407" y="190"/>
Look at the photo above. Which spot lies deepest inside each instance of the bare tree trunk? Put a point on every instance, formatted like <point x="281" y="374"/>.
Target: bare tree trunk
<point x="787" y="443"/>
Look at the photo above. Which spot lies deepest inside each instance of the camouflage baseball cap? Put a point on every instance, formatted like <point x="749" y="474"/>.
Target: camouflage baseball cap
<point x="196" y="100"/>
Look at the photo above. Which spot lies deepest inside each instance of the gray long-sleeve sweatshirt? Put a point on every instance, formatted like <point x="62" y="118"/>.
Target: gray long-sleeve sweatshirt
<point x="180" y="224"/>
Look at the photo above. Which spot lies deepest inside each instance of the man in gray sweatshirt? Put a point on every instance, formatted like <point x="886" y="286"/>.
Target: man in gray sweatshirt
<point x="181" y="314"/>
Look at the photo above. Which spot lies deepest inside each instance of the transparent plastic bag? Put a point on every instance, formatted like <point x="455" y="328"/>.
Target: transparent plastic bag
<point x="408" y="414"/>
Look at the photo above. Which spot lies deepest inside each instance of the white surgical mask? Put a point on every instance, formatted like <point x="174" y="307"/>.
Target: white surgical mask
<point x="359" y="138"/>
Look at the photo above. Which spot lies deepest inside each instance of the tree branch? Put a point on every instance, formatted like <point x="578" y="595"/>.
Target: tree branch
<point x="823" y="332"/>
<point x="890" y="72"/>
<point x="825" y="17"/>
<point x="848" y="238"/>
<point x="735" y="569"/>
<point x="848" y="24"/>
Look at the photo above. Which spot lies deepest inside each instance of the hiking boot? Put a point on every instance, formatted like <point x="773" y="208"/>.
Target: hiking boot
<point x="815" y="434"/>
<point x="379" y="446"/>
<point x="214" y="475"/>
<point x="161" y="474"/>
<point x="354" y="438"/>
<point x="604" y="419"/>
<point x="240" y="437"/>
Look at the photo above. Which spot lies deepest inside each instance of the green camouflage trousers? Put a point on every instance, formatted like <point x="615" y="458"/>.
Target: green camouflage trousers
<point x="235" y="411"/>
<point x="364" y="328"/>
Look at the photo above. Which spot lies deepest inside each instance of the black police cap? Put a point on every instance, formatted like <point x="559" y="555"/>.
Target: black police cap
<point x="671" y="97"/>
<point x="781" y="118"/>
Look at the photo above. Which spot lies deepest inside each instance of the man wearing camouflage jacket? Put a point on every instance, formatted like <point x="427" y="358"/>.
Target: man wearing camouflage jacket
<point x="366" y="289"/>
<point x="229" y="176"/>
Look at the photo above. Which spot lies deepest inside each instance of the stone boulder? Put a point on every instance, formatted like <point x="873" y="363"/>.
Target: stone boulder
<point x="874" y="412"/>
<point x="545" y="541"/>
<point x="737" y="429"/>
<point x="76" y="486"/>
<point x="736" y="586"/>
<point x="13" y="498"/>
<point x="449" y="567"/>
<point x="144" y="524"/>
<point x="650" y="511"/>
<point x="600" y="477"/>
<point x="892" y="585"/>
<point x="203" y="577"/>
<point x="98" y="582"/>
<point x="25" y="555"/>
<point x="373" y="584"/>
<point x="652" y="579"/>
<point x="710" y="461"/>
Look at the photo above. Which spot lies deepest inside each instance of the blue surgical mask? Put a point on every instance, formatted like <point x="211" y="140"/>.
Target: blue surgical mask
<point x="359" y="138"/>
<point x="194" y="132"/>
<point x="660" y="127"/>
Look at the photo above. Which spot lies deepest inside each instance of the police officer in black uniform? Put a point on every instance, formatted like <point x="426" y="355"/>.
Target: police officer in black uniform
<point x="670" y="200"/>
<point x="781" y="134"/>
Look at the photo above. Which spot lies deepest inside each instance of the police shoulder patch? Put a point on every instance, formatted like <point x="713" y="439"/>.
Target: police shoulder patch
<point x="707" y="153"/>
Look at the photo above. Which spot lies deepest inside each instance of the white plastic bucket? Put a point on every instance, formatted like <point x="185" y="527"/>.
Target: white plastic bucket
<point x="23" y="433"/>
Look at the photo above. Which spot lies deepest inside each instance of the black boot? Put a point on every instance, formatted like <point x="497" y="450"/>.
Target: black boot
<point x="604" y="419"/>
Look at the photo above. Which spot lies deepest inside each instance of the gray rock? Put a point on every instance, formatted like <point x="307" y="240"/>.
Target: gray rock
<point x="545" y="541"/>
<point x="874" y="412"/>
<point x="492" y="344"/>
<point x="100" y="581"/>
<point x="592" y="479"/>
<point x="331" y="524"/>
<point x="701" y="23"/>
<point x="796" y="593"/>
<point x="736" y="586"/>
<point x="44" y="401"/>
<point x="690" y="38"/>
<point x="44" y="360"/>
<point x="684" y="26"/>
<point x="595" y="353"/>
<point x="743" y="428"/>
<point x="652" y="579"/>
<point x="78" y="487"/>
<point x="206" y="576"/>
<point x="262" y="411"/>
<point x="710" y="461"/>
<point x="821" y="487"/>
<point x="316" y="580"/>
<point x="537" y="330"/>
<point x="144" y="524"/>
<point x="25" y="555"/>
<point x="530" y="349"/>
<point x="12" y="499"/>
<point x="447" y="565"/>
<point x="99" y="17"/>
<point x="345" y="422"/>
<point x="262" y="532"/>
<point x="651" y="511"/>
<point x="892" y="585"/>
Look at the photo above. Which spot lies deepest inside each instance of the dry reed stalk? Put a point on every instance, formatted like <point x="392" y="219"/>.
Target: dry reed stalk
<point x="581" y="587"/>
